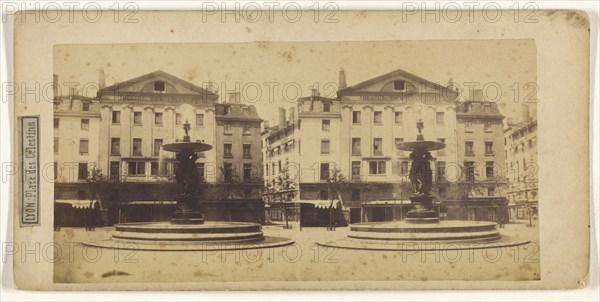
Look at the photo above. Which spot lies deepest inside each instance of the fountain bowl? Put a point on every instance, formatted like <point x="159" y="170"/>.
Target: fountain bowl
<point x="187" y="147"/>
<point x="421" y="145"/>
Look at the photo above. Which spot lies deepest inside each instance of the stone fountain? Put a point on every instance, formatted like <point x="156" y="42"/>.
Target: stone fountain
<point x="422" y="228"/>
<point x="187" y="229"/>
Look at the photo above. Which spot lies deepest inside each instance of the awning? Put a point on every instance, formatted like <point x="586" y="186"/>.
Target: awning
<point x="388" y="202"/>
<point x="149" y="202"/>
<point x="318" y="202"/>
<point x="76" y="203"/>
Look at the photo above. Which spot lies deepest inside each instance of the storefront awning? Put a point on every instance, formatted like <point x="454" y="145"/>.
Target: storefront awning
<point x="387" y="202"/>
<point x="149" y="202"/>
<point x="318" y="202"/>
<point x="76" y="203"/>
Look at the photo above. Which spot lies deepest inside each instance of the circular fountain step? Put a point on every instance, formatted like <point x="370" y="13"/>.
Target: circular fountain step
<point x="207" y="232"/>
<point x="404" y="235"/>
<point x="210" y="236"/>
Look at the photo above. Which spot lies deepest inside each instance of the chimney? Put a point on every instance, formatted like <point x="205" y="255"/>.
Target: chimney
<point x="510" y="121"/>
<point x="101" y="78"/>
<point x="291" y="115"/>
<point x="525" y="112"/>
<point x="342" y="83"/>
<point x="281" y="117"/>
<point x="55" y="86"/>
<point x="477" y="95"/>
<point x="234" y="98"/>
<point x="266" y="125"/>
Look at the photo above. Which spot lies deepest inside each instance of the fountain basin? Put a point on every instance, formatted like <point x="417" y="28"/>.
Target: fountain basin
<point x="403" y="235"/>
<point x="210" y="236"/>
<point x="187" y="147"/>
<point x="421" y="145"/>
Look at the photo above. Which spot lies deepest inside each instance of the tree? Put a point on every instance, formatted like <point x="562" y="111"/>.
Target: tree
<point x="336" y="184"/>
<point x="284" y="189"/>
<point x="97" y="186"/>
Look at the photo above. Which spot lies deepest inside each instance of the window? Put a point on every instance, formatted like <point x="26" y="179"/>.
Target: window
<point x="326" y="107"/>
<point x="404" y="168"/>
<point x="491" y="191"/>
<point x="355" y="194"/>
<point x="469" y="148"/>
<point x="441" y="170"/>
<point x="227" y="150"/>
<point x="468" y="126"/>
<point x="486" y="108"/>
<point x="56" y="145"/>
<point x="325" y="125"/>
<point x="355" y="169"/>
<point x="85" y="124"/>
<point x="228" y="170"/>
<point x="154" y="168"/>
<point x="377" y="117"/>
<point x="488" y="127"/>
<point x="200" y="169"/>
<point x="56" y="171"/>
<point x="247" y="172"/>
<point x="439" y="118"/>
<point x="178" y="119"/>
<point x="159" y="86"/>
<point x="399" y="85"/>
<point x="398" y="117"/>
<point x="84" y="145"/>
<point x="137" y="118"/>
<point x="356" y="146"/>
<point x="377" y="167"/>
<point x="489" y="169"/>
<point x="246" y="111"/>
<point x="226" y="110"/>
<point x="199" y="120"/>
<point x="157" y="146"/>
<point x="116" y="117"/>
<point x="56" y="122"/>
<point x="115" y="146"/>
<point x="324" y="171"/>
<point x="136" y="168"/>
<point x="325" y="146"/>
<point x="470" y="170"/>
<point x="489" y="148"/>
<point x="247" y="150"/>
<point x="115" y="170"/>
<point x="137" y="147"/>
<point x="82" y="171"/>
<point x="398" y="141"/>
<point x="158" y="118"/>
<point x="378" y="146"/>
<point x="227" y="128"/>
<point x="323" y="195"/>
<point x="85" y="106"/>
<point x="355" y="117"/>
<point x="246" y="129"/>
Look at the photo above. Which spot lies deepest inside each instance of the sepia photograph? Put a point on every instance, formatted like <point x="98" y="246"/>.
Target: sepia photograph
<point x="308" y="161"/>
<point x="304" y="147"/>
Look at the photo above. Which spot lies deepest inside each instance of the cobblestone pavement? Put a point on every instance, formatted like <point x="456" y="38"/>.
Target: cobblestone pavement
<point x="303" y="261"/>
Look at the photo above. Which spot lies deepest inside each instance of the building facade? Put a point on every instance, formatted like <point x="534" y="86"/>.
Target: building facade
<point x="130" y="121"/>
<point x="521" y="163"/>
<point x="357" y="133"/>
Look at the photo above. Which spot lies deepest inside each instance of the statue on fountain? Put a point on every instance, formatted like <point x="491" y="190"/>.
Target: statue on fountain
<point x="421" y="177"/>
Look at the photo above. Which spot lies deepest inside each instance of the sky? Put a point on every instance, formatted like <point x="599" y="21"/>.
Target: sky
<point x="272" y="75"/>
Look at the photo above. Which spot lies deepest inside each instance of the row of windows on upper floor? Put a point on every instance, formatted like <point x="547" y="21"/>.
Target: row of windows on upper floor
<point x="326" y="124"/>
<point x="85" y="123"/>
<point x="377" y="147"/>
<point x="399" y="168"/>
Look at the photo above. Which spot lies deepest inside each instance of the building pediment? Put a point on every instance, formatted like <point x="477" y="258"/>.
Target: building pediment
<point x="397" y="82"/>
<point x="157" y="82"/>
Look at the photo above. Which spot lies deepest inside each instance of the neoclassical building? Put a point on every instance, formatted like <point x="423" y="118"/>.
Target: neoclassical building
<point x="358" y="131"/>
